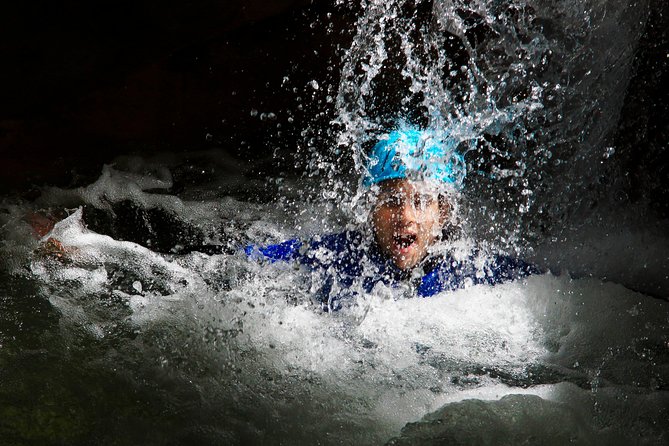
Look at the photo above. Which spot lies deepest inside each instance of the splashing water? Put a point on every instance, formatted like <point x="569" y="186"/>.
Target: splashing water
<point x="111" y="341"/>
<point x="532" y="89"/>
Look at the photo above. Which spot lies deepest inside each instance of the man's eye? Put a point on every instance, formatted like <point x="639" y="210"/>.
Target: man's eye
<point x="392" y="201"/>
<point x="422" y="201"/>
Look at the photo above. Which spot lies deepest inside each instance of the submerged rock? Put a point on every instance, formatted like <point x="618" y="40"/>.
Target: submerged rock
<point x="512" y="420"/>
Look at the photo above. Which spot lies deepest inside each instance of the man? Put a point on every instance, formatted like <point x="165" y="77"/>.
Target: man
<point x="411" y="176"/>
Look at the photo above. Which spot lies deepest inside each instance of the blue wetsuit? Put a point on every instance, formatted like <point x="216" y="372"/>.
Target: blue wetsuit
<point x="348" y="258"/>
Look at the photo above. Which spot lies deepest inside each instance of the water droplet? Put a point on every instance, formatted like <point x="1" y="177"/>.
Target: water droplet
<point x="267" y="116"/>
<point x="137" y="286"/>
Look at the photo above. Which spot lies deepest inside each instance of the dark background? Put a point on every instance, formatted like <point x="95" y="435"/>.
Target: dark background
<point x="83" y="82"/>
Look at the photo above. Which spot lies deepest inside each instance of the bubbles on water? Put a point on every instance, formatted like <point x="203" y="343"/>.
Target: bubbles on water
<point x="608" y="152"/>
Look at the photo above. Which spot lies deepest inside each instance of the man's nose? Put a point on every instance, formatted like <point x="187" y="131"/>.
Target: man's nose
<point x="408" y="211"/>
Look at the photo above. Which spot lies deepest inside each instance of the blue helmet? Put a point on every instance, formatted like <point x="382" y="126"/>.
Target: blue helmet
<point x="415" y="154"/>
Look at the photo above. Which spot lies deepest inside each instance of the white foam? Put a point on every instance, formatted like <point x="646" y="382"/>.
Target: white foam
<point x="251" y="338"/>
<point x="388" y="359"/>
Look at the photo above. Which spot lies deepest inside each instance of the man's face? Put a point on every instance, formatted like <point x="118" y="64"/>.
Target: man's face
<point x="406" y="221"/>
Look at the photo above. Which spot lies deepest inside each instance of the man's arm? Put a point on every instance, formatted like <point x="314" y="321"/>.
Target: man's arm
<point x="286" y="251"/>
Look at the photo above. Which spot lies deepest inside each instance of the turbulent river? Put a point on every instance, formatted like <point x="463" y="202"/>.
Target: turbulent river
<point x="114" y="331"/>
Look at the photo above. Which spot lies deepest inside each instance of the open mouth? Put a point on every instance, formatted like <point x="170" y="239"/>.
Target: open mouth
<point x="405" y="240"/>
